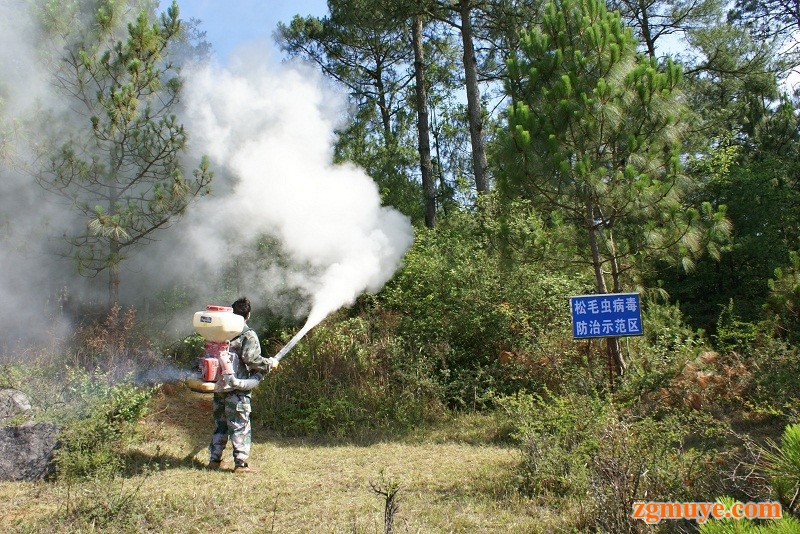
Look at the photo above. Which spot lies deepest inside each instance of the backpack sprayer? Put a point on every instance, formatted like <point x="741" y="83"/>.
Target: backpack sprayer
<point x="218" y="325"/>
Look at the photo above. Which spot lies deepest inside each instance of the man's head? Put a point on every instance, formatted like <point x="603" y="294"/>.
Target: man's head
<point x="242" y="307"/>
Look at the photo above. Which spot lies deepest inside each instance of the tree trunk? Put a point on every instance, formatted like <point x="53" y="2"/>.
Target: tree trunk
<point x="616" y="362"/>
<point x="114" y="247"/>
<point x="423" y="127"/>
<point x="386" y="119"/>
<point x="113" y="274"/>
<point x="646" y="33"/>
<point x="597" y="261"/>
<point x="473" y="100"/>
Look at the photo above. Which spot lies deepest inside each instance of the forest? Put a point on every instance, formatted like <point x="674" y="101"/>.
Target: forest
<point x="423" y="184"/>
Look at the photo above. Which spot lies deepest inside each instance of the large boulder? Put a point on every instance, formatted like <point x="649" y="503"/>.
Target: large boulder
<point x="13" y="403"/>
<point x="26" y="451"/>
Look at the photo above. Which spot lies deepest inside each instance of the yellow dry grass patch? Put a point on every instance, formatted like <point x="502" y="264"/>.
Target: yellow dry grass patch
<point x="301" y="486"/>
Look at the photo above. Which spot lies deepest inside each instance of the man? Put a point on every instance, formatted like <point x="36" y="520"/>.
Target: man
<point x="231" y="404"/>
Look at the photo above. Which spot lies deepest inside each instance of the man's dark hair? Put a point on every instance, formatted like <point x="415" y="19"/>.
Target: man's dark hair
<point x="241" y="307"/>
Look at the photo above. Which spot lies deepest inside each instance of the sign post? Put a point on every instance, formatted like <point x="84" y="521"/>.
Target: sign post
<point x="608" y="315"/>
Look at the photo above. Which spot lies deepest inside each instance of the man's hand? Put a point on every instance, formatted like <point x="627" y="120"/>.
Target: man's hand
<point x="273" y="363"/>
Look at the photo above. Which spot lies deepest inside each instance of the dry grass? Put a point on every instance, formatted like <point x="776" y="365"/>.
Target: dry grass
<point x="303" y="486"/>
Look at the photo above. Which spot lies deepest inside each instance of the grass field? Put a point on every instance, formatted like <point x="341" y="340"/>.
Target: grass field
<point x="452" y="478"/>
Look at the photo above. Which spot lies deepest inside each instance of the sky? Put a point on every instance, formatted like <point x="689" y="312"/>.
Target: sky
<point x="232" y="23"/>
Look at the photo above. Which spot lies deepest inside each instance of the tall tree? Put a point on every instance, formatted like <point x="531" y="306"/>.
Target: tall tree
<point x="500" y="25"/>
<point x="745" y="149"/>
<point x="396" y="51"/>
<point x="758" y="186"/>
<point x="423" y="122"/>
<point x="594" y="143"/>
<point x="459" y="14"/>
<point x="368" y="51"/>
<point x="657" y="20"/>
<point x="474" y="108"/>
<point x="121" y="166"/>
<point x="769" y="20"/>
<point x="730" y="82"/>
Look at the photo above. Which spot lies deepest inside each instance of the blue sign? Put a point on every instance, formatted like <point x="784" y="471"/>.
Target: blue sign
<point x="609" y="315"/>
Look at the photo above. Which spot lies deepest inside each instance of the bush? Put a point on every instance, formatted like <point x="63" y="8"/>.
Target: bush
<point x="185" y="351"/>
<point x="659" y="356"/>
<point x="781" y="465"/>
<point x="96" y="433"/>
<point x="348" y="377"/>
<point x="733" y="334"/>
<point x="774" y="366"/>
<point x="783" y="303"/>
<point x="581" y="448"/>
<point x="488" y="326"/>
<point x="117" y="345"/>
<point x="558" y="437"/>
<point x="785" y="525"/>
<point x="97" y="417"/>
<point x="455" y="328"/>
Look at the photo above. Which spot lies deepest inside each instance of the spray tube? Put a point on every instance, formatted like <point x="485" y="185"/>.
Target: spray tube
<point x="275" y="360"/>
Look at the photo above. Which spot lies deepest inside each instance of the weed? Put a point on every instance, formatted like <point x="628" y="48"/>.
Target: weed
<point x="388" y="488"/>
<point x="103" y="503"/>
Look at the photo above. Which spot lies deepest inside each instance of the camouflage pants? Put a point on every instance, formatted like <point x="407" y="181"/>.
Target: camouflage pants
<point x="231" y="420"/>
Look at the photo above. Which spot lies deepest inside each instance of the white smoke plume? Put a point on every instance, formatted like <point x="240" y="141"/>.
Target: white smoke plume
<point x="271" y="127"/>
<point x="269" y="130"/>
<point x="31" y="277"/>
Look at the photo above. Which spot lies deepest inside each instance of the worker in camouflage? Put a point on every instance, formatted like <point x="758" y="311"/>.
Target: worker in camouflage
<point x="231" y="404"/>
<point x="231" y="412"/>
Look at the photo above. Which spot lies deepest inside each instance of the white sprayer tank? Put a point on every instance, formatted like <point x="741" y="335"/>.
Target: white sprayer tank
<point x="218" y="323"/>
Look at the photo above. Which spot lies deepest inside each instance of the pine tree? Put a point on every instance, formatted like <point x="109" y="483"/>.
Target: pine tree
<point x="121" y="166"/>
<point x="594" y="143"/>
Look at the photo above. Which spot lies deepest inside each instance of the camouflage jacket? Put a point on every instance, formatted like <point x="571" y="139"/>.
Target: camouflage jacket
<point x="246" y="358"/>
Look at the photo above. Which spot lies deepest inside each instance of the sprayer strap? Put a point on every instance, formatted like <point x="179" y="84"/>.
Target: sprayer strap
<point x="243" y="333"/>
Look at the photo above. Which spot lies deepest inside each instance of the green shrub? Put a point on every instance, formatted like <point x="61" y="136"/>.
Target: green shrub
<point x="97" y="417"/>
<point x="785" y="525"/>
<point x="783" y="302"/>
<point x="734" y="334"/>
<point x="585" y="449"/>
<point x="99" y="424"/>
<point x="674" y="459"/>
<point x="659" y="356"/>
<point x="486" y="324"/>
<point x="781" y="464"/>
<point x="348" y="376"/>
<point x="774" y="366"/>
<point x="185" y="351"/>
<point x="558" y="437"/>
<point x="118" y="345"/>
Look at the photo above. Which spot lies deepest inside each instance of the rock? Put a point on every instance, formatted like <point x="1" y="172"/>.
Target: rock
<point x="12" y="404"/>
<point x="26" y="451"/>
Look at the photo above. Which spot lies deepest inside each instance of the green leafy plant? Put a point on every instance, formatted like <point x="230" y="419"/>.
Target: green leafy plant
<point x="785" y="525"/>
<point x="782" y="465"/>
<point x="93" y="442"/>
<point x="783" y="302"/>
<point x="586" y="449"/>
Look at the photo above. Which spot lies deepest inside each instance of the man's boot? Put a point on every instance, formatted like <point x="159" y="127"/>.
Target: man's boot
<point x="244" y="468"/>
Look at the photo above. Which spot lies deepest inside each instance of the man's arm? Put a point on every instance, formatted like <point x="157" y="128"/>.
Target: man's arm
<point x="251" y="353"/>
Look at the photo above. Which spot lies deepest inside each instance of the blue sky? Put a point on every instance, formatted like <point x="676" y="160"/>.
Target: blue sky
<point x="232" y="23"/>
